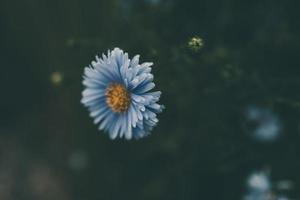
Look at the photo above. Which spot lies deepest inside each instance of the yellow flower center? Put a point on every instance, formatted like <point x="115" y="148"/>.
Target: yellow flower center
<point x="117" y="97"/>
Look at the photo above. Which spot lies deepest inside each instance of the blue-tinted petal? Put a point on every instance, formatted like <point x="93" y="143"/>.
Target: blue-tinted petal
<point x="143" y="89"/>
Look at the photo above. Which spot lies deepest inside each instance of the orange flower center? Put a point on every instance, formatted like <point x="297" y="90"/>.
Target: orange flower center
<point x="117" y="97"/>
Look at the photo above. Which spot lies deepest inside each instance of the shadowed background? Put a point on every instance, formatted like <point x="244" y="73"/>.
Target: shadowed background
<point x="203" y="147"/>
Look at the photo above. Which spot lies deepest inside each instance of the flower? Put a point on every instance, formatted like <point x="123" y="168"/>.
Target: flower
<point x="259" y="186"/>
<point x="117" y="94"/>
<point x="56" y="78"/>
<point x="259" y="181"/>
<point x="195" y="43"/>
<point x="267" y="126"/>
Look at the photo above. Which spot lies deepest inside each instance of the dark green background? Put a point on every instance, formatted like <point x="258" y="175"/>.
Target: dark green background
<point x="200" y="149"/>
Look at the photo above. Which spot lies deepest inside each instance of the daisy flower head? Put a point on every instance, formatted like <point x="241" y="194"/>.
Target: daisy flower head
<point x="117" y="95"/>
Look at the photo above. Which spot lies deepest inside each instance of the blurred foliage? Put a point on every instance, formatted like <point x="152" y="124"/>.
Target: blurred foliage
<point x="50" y="148"/>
